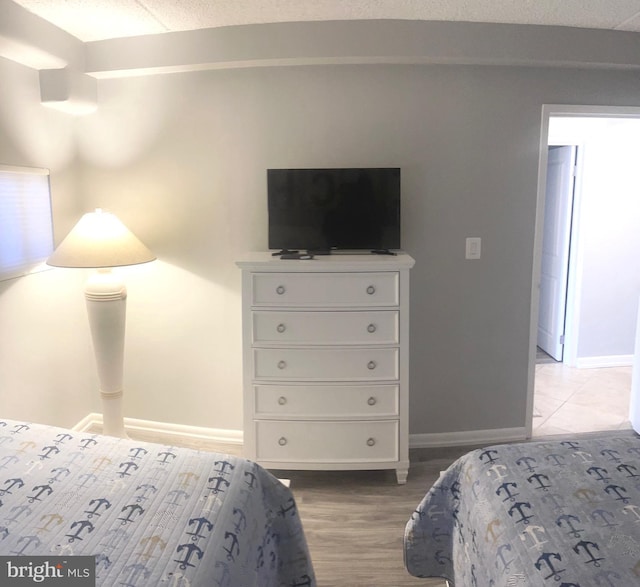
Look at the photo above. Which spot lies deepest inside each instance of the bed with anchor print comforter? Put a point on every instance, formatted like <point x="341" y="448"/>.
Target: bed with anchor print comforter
<point x="562" y="513"/>
<point x="151" y="514"/>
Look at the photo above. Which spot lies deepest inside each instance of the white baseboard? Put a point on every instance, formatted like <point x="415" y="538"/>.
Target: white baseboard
<point x="467" y="437"/>
<point x="167" y="429"/>
<point x="88" y="421"/>
<point x="605" y="361"/>
<point x="434" y="440"/>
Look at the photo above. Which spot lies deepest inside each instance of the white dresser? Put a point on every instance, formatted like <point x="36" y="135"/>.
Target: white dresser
<point x="325" y="355"/>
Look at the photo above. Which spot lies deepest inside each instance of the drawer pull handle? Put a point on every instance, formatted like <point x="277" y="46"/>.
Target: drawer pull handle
<point x="280" y="290"/>
<point x="282" y="364"/>
<point x="372" y="401"/>
<point x="282" y="400"/>
<point x="371" y="365"/>
<point x="282" y="441"/>
<point x="371" y="441"/>
<point x="372" y="328"/>
<point x="281" y="328"/>
<point x="371" y="290"/>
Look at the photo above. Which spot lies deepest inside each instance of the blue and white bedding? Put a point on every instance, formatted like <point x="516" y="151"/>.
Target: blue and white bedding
<point x="150" y="514"/>
<point x="563" y="513"/>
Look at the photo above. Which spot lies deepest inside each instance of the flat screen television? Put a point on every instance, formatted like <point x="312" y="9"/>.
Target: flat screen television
<point x="320" y="210"/>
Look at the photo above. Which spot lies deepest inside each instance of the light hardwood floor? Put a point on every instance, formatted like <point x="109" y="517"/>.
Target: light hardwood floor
<point x="354" y="523"/>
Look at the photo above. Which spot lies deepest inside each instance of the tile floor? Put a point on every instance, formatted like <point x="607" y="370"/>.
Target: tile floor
<point x="571" y="400"/>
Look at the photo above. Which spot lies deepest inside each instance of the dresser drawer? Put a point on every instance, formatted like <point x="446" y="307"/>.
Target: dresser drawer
<point x="326" y="401"/>
<point x="325" y="289"/>
<point x="321" y="328"/>
<point x="326" y="364"/>
<point x="331" y="442"/>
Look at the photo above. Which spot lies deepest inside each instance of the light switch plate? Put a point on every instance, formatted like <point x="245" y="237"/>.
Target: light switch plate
<point x="473" y="247"/>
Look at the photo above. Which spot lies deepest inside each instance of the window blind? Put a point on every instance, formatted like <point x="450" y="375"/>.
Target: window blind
<point x="26" y="229"/>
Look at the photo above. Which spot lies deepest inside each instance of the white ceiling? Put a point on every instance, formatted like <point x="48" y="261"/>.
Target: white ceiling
<point x="92" y="20"/>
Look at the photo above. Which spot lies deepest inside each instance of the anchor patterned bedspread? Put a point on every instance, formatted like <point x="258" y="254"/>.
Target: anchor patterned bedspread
<point x="562" y="513"/>
<point x="151" y="514"/>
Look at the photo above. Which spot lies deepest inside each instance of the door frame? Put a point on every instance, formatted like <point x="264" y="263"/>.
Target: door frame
<point x="548" y="111"/>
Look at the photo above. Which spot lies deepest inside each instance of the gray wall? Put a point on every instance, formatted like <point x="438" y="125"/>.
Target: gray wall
<point x="467" y="139"/>
<point x="181" y="158"/>
<point x="46" y="362"/>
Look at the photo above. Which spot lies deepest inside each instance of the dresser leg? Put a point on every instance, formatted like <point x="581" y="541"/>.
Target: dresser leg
<point x="401" y="474"/>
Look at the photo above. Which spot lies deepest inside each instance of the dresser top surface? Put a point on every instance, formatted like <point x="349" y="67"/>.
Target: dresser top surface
<point x="265" y="261"/>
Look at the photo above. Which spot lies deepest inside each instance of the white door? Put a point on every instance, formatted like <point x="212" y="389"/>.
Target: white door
<point x="555" y="249"/>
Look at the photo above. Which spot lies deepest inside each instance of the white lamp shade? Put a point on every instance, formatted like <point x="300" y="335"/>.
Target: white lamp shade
<point x="99" y="239"/>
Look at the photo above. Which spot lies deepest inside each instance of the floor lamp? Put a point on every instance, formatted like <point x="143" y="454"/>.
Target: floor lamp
<point x="100" y="241"/>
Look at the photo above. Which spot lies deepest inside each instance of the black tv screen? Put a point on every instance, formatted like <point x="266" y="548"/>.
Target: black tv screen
<point x="324" y="209"/>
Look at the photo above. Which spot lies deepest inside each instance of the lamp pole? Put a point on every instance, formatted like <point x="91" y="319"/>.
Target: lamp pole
<point x="106" y="298"/>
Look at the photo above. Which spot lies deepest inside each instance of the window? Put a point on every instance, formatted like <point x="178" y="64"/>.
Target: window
<point x="26" y="231"/>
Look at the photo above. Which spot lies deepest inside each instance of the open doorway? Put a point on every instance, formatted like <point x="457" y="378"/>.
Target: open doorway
<point x="583" y="360"/>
